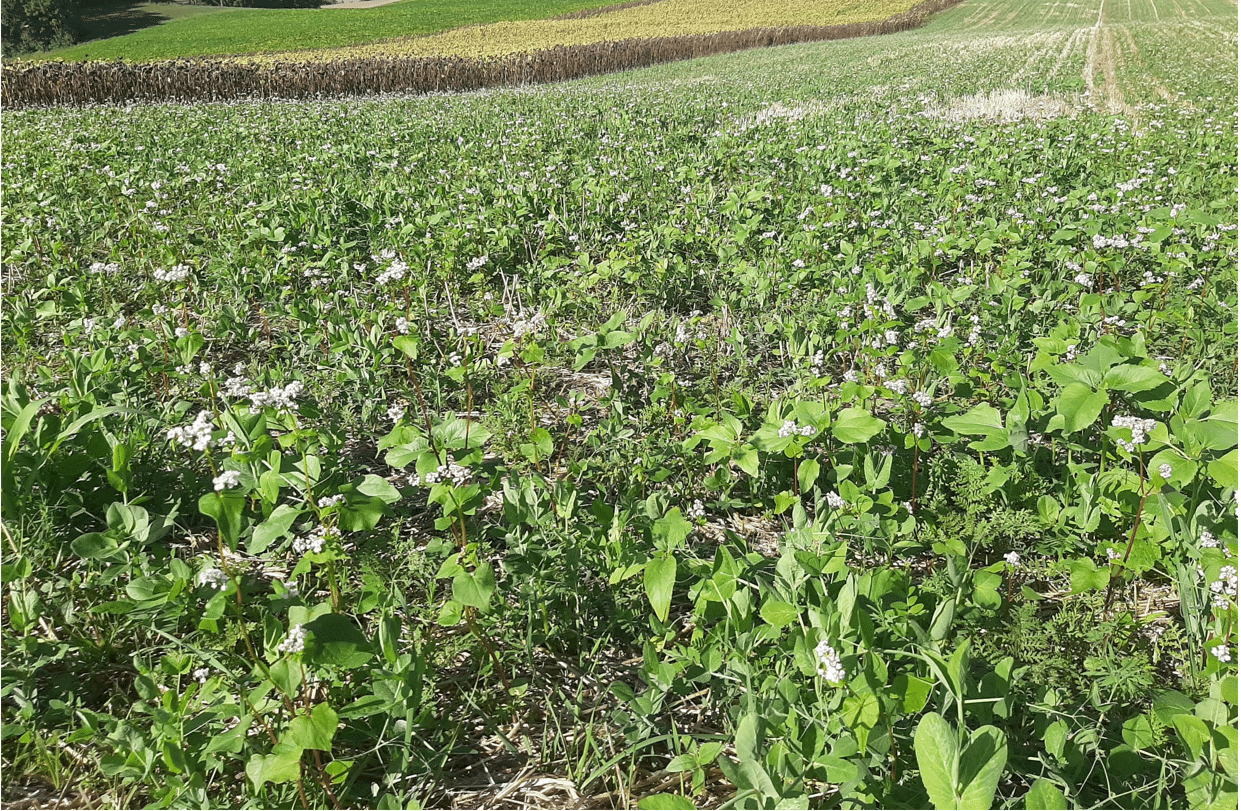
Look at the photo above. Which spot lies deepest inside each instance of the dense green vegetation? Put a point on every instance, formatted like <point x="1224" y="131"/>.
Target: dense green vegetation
<point x="841" y="425"/>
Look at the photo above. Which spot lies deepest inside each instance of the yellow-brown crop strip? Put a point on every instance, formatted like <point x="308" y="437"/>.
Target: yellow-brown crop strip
<point x="193" y="80"/>
<point x="636" y="21"/>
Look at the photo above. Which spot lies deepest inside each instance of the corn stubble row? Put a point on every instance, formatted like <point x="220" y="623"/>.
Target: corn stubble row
<point x="196" y="80"/>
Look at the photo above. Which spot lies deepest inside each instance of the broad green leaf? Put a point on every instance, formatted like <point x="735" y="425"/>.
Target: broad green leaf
<point x="856" y="425"/>
<point x="807" y="474"/>
<point x="21" y="424"/>
<point x="1223" y="471"/>
<point x="226" y="509"/>
<point x="981" y="419"/>
<point x="671" y="530"/>
<point x="749" y="738"/>
<point x="1045" y="795"/>
<point x="658" y="579"/>
<point x="283" y="765"/>
<point x="1130" y="378"/>
<point x="653" y="802"/>
<point x="377" y="487"/>
<point x="777" y="613"/>
<point x="912" y="691"/>
<point x="314" y="731"/>
<point x="1080" y="406"/>
<point x="1193" y="733"/>
<point x="980" y="767"/>
<point x="474" y="589"/>
<point x="935" y="746"/>
<point x="861" y="711"/>
<point x="335" y="640"/>
<point x="276" y="525"/>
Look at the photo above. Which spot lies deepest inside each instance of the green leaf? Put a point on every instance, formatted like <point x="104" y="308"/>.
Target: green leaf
<point x="807" y="474"/>
<point x="1223" y="471"/>
<point x="856" y="425"/>
<point x="93" y="545"/>
<point x="935" y="746"/>
<point x="1083" y="576"/>
<point x="21" y="424"/>
<point x="283" y="765"/>
<point x="980" y="767"/>
<point x="777" y="613"/>
<point x="1044" y="794"/>
<point x="1080" y="406"/>
<point x="861" y="711"/>
<point x="981" y="419"/>
<point x="664" y="801"/>
<point x="1130" y="378"/>
<point x="658" y="579"/>
<point x="314" y="731"/>
<point x="749" y="738"/>
<point x="671" y="530"/>
<point x="276" y="525"/>
<point x="226" y="509"/>
<point x="682" y="763"/>
<point x="1193" y="733"/>
<point x="474" y="589"/>
<point x="333" y="639"/>
<point x="912" y="691"/>
<point x="377" y="487"/>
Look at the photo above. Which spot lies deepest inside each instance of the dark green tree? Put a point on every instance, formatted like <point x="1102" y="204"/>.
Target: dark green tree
<point x="37" y="25"/>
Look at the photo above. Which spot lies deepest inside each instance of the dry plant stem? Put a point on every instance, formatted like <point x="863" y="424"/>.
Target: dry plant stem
<point x="478" y="632"/>
<point x="325" y="780"/>
<point x="422" y="402"/>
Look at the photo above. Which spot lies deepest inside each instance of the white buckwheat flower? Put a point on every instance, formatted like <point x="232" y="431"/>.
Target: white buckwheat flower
<point x="227" y="479"/>
<point x="788" y="429"/>
<point x="1165" y="471"/>
<point x="1012" y="559"/>
<point x="202" y="674"/>
<point x="213" y="578"/>
<point x="396" y="412"/>
<point x="314" y="541"/>
<point x="835" y="501"/>
<point x="923" y="398"/>
<point x="1138" y="427"/>
<point x="829" y="665"/>
<point x="1207" y="541"/>
<point x="696" y="511"/>
<point x="1222" y="653"/>
<point x="451" y="473"/>
<point x="295" y="642"/>
<point x="196" y="435"/>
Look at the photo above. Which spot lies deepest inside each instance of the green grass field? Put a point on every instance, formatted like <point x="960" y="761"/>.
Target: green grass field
<point x="840" y="425"/>
<point x="203" y="31"/>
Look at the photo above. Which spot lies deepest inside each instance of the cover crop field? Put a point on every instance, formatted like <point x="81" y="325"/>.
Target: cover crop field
<point x="843" y="425"/>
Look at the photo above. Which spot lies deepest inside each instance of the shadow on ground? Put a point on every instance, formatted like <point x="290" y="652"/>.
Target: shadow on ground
<point x="115" y="18"/>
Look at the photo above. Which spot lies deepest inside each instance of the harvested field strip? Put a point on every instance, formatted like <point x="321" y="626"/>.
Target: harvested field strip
<point x="215" y="80"/>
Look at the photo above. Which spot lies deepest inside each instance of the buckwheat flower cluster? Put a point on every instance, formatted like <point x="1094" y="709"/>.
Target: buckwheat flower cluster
<point x="1224" y="590"/>
<point x="280" y="398"/>
<point x="402" y="325"/>
<point x="1208" y="541"/>
<point x="201" y="675"/>
<point x="196" y="435"/>
<point x="179" y="273"/>
<point x="236" y="387"/>
<point x="696" y="511"/>
<point x="332" y="501"/>
<point x="227" y="479"/>
<point x="1012" y="559"/>
<point x="314" y="541"/>
<point x="1085" y="280"/>
<point x="790" y="428"/>
<point x="396" y="412"/>
<point x="1139" y="428"/>
<point x="898" y="386"/>
<point x="1113" y="554"/>
<point x="828" y="665"/>
<point x="213" y="578"/>
<point x="451" y="473"/>
<point x="100" y="267"/>
<point x="835" y="501"/>
<point x="295" y="642"/>
<point x="923" y="398"/>
<point x="1222" y="653"/>
<point x="394" y="272"/>
<point x="1165" y="471"/>
<point x="476" y="263"/>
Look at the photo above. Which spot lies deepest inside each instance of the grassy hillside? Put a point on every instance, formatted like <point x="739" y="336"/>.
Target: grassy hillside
<point x="256" y="30"/>
<point x="792" y="428"/>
